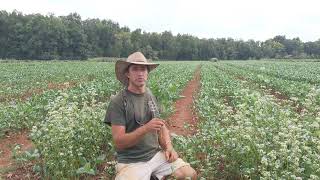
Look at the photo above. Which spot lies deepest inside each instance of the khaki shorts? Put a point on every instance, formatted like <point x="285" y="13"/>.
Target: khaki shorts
<point x="157" y="166"/>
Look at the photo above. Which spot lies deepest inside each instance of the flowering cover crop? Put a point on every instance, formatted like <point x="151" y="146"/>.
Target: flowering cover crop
<point x="67" y="125"/>
<point x="247" y="133"/>
<point x="258" y="120"/>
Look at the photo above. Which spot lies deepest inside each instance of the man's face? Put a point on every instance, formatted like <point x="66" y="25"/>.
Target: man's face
<point x="138" y="75"/>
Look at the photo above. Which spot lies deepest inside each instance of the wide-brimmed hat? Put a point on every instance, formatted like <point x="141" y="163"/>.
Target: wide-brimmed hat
<point x="135" y="58"/>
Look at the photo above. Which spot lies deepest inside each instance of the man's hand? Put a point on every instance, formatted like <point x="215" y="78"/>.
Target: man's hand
<point x="154" y="125"/>
<point x="171" y="155"/>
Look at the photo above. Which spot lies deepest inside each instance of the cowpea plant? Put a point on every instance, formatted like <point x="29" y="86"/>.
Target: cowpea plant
<point x="245" y="133"/>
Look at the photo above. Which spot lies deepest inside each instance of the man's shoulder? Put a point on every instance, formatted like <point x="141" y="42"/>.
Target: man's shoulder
<point x="150" y="93"/>
<point x="117" y="98"/>
<point x="115" y="110"/>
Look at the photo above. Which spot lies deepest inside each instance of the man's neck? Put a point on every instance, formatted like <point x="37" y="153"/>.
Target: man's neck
<point x="137" y="90"/>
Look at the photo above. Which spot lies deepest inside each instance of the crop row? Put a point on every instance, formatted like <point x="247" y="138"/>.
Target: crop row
<point x="307" y="72"/>
<point x="304" y="95"/>
<point x="247" y="134"/>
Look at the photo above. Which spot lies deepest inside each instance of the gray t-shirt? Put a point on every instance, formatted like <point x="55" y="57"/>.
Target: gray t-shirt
<point x="136" y="114"/>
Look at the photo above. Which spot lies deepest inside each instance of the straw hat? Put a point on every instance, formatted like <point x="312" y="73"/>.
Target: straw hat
<point x="135" y="58"/>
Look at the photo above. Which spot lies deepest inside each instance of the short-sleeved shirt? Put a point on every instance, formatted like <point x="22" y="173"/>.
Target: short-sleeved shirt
<point x="132" y="114"/>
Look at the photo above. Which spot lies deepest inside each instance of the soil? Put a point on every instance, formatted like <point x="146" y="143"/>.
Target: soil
<point x="9" y="169"/>
<point x="184" y="120"/>
<point x="9" y="142"/>
<point x="23" y="172"/>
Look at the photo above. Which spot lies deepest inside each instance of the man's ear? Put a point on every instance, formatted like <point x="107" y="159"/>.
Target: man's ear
<point x="126" y="74"/>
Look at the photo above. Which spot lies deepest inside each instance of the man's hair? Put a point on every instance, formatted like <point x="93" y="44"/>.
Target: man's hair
<point x="127" y="70"/>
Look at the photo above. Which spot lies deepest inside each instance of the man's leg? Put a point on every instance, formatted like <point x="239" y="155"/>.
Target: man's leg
<point x="179" y="169"/>
<point x="185" y="172"/>
<point x="133" y="171"/>
<point x="160" y="166"/>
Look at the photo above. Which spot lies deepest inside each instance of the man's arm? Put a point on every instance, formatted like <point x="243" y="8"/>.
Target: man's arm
<point x="166" y="144"/>
<point x="125" y="140"/>
<point x="164" y="138"/>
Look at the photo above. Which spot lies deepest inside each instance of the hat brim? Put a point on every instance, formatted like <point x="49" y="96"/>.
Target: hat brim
<point x="121" y="68"/>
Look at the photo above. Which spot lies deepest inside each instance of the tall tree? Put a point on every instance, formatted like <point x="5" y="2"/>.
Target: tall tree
<point x="35" y="36"/>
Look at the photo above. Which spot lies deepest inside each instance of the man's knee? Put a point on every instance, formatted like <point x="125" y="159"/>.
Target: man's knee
<point x="185" y="172"/>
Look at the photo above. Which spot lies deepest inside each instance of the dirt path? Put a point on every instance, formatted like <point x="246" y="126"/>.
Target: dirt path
<point x="184" y="114"/>
<point x="8" y="143"/>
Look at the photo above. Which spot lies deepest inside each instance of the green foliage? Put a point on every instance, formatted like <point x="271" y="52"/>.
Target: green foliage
<point x="66" y="124"/>
<point x="49" y="37"/>
<point x="70" y="132"/>
<point x="26" y="156"/>
<point x="167" y="82"/>
<point x="246" y="133"/>
<point x="76" y="79"/>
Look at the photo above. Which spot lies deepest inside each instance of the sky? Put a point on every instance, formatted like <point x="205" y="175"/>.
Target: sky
<point x="237" y="19"/>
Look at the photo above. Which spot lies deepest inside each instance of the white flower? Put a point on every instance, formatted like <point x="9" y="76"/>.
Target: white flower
<point x="264" y="161"/>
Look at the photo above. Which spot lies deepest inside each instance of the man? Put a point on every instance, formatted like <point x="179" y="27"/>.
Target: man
<point x="141" y="138"/>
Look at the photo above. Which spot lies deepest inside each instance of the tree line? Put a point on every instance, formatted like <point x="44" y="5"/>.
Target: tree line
<point x="46" y="37"/>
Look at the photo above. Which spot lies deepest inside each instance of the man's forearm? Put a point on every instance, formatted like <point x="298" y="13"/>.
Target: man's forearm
<point x="129" y="139"/>
<point x="164" y="138"/>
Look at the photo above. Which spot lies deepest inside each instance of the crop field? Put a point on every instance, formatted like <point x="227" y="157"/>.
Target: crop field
<point x="257" y="119"/>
